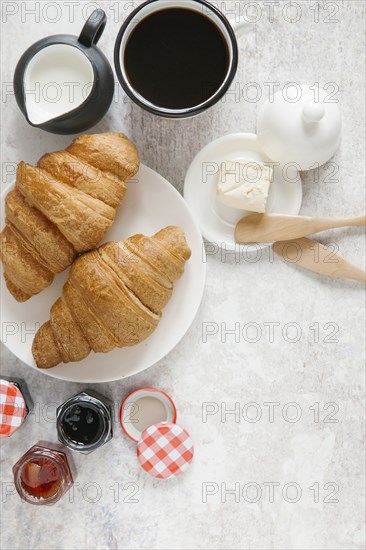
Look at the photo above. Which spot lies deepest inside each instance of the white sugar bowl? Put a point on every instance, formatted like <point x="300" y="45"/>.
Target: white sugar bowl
<point x="305" y="132"/>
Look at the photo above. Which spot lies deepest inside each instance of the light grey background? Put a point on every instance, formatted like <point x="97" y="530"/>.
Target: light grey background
<point x="313" y="370"/>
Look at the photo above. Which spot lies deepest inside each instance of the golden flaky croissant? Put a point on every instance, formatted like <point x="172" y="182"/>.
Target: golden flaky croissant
<point x="61" y="207"/>
<point x="113" y="297"/>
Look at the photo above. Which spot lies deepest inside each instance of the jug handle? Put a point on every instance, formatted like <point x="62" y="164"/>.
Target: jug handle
<point x="93" y="28"/>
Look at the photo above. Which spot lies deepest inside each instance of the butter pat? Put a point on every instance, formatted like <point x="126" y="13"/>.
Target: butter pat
<point x="244" y="184"/>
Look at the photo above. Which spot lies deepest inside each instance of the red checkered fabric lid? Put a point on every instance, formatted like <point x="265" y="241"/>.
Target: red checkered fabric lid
<point x="165" y="450"/>
<point x="12" y="408"/>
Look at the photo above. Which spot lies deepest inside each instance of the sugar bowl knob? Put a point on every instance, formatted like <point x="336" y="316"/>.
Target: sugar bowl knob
<point x="313" y="112"/>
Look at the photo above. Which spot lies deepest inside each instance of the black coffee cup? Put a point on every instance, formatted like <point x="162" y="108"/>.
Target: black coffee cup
<point x="177" y="58"/>
<point x="63" y="83"/>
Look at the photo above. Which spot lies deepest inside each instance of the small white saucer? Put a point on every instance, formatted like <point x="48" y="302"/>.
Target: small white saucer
<point x="217" y="222"/>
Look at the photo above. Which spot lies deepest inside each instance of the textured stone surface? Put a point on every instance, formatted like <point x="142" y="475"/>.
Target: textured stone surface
<point x="312" y="370"/>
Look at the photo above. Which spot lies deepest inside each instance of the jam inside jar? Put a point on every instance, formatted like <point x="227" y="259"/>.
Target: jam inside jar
<point x="83" y="424"/>
<point x="42" y="475"/>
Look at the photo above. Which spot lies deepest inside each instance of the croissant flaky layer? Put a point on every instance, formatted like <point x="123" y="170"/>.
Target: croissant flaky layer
<point x="113" y="297"/>
<point x="61" y="207"/>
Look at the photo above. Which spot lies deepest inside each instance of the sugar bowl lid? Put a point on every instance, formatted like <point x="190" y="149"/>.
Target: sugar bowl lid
<point x="305" y="130"/>
<point x="165" y="450"/>
<point x="13" y="408"/>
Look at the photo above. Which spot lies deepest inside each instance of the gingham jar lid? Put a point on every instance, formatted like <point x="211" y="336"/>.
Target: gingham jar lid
<point x="165" y="450"/>
<point x="12" y="408"/>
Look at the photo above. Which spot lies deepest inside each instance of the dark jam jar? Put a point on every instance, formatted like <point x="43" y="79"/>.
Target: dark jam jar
<point x="84" y="422"/>
<point x="42" y="475"/>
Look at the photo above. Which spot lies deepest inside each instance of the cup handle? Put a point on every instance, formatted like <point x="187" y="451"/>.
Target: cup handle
<point x="93" y="28"/>
<point x="240" y="26"/>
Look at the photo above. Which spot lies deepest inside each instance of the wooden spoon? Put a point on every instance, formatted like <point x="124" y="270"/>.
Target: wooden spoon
<point x="264" y="228"/>
<point x="316" y="257"/>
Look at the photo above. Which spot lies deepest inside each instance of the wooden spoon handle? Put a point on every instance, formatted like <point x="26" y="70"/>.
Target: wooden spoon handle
<point x="360" y="221"/>
<point x="314" y="256"/>
<point x="277" y="227"/>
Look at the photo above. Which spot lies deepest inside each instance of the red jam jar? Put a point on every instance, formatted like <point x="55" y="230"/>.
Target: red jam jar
<point x="42" y="475"/>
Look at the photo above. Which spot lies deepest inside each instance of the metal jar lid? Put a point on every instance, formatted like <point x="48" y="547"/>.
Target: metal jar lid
<point x="165" y="450"/>
<point x="15" y="403"/>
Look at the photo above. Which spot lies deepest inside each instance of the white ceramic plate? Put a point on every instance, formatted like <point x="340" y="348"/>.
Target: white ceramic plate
<point x="151" y="203"/>
<point x="218" y="222"/>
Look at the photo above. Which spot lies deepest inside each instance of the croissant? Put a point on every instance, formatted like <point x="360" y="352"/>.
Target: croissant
<point x="113" y="297"/>
<point x="61" y="207"/>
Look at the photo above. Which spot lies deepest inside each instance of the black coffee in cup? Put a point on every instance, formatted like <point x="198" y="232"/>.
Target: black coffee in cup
<point x="176" y="58"/>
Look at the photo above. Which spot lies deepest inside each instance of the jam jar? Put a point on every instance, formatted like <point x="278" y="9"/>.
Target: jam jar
<point x="84" y="422"/>
<point x="15" y="404"/>
<point x="43" y="474"/>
